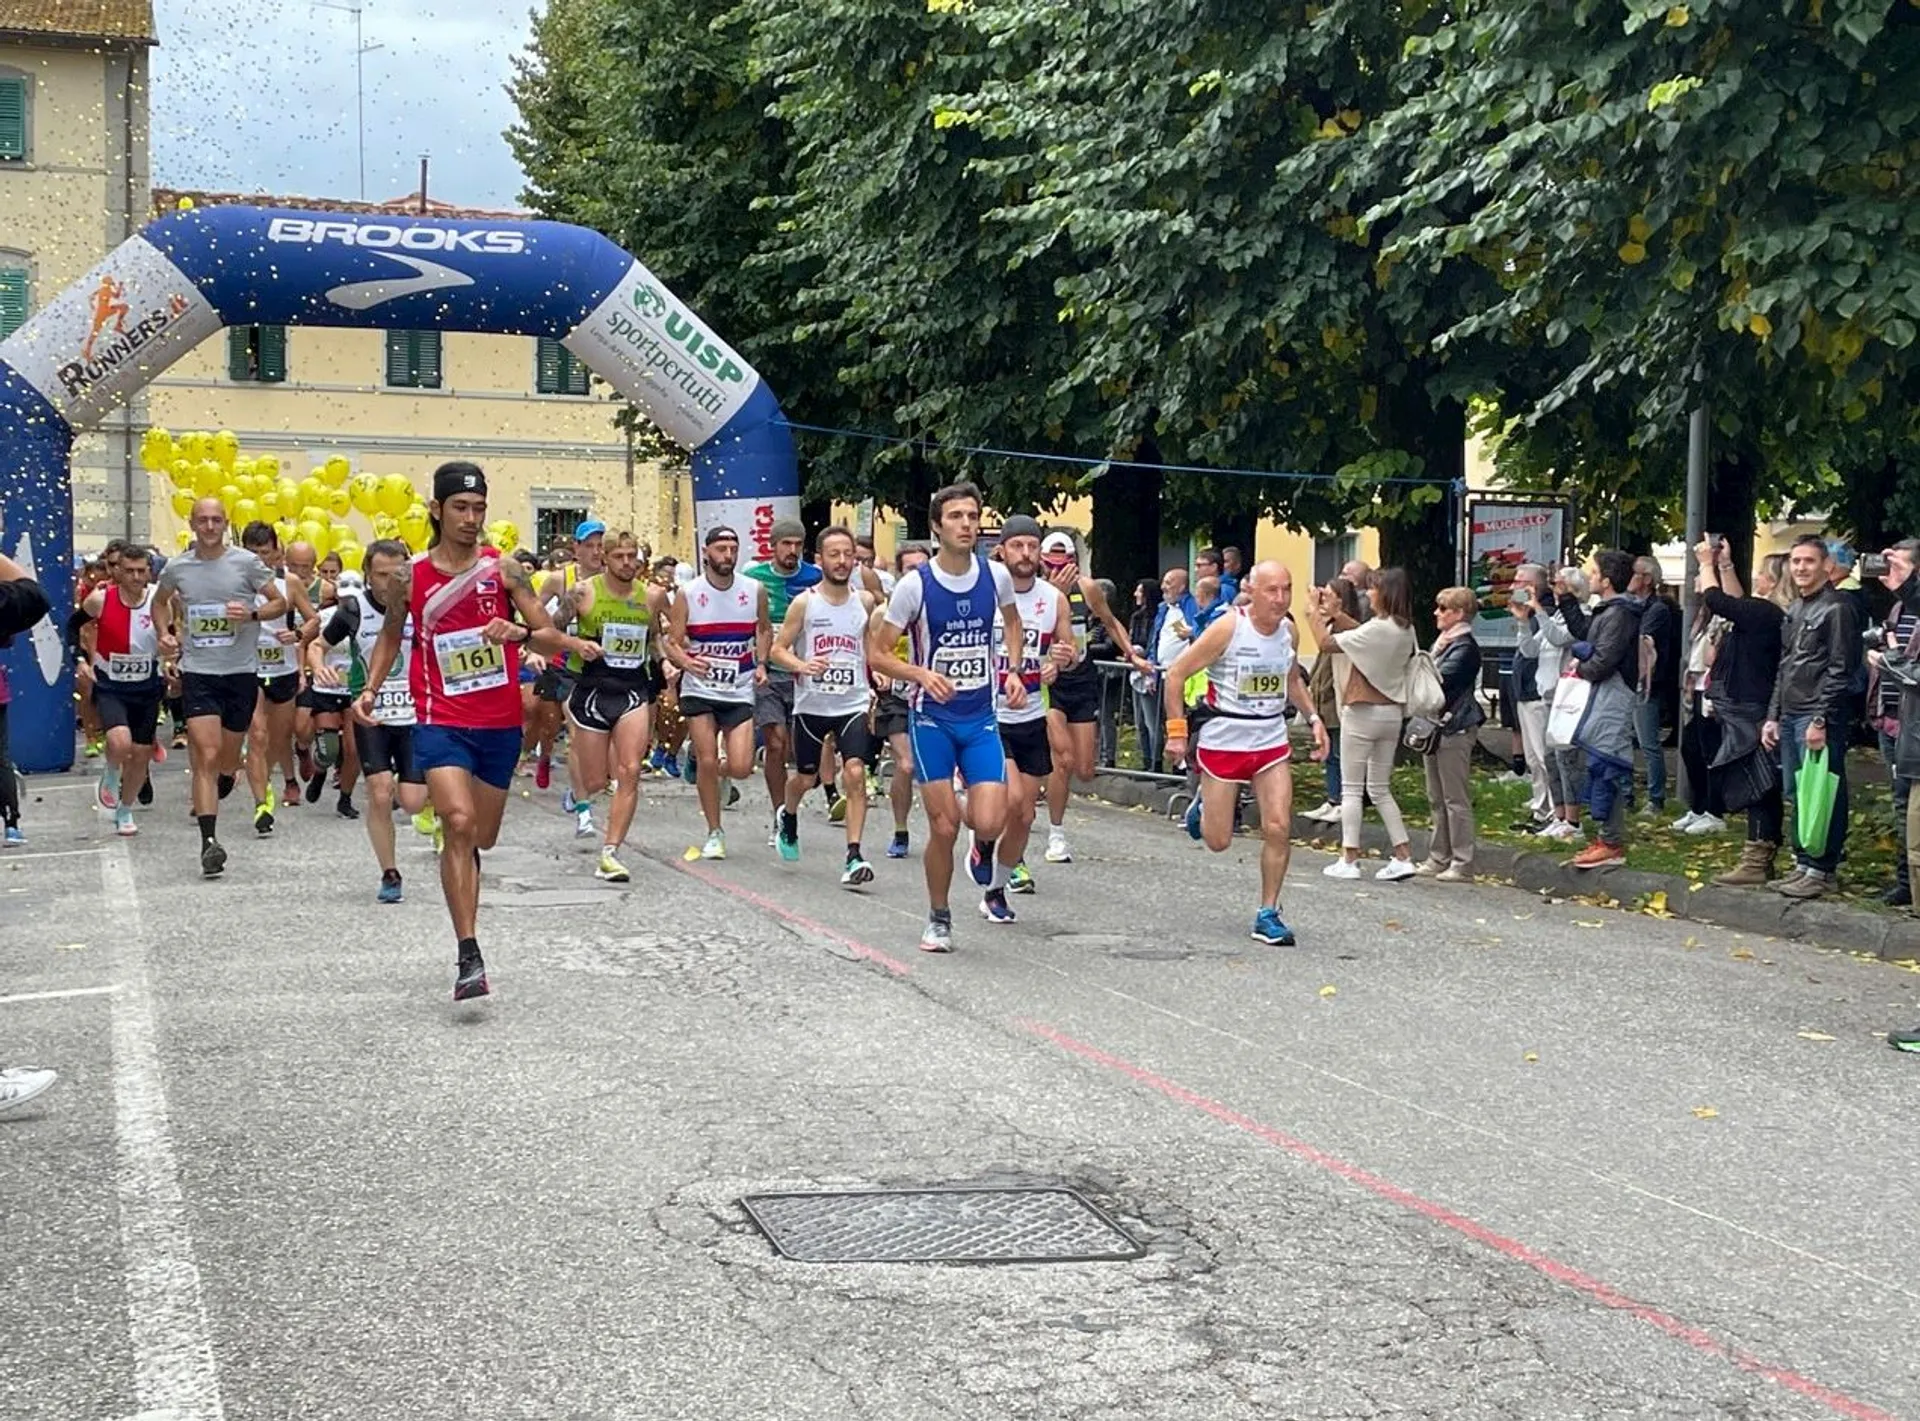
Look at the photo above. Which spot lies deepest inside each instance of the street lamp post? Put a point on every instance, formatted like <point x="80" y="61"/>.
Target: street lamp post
<point x="361" y="49"/>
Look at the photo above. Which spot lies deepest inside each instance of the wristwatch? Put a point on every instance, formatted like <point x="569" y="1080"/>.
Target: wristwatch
<point x="1819" y="722"/>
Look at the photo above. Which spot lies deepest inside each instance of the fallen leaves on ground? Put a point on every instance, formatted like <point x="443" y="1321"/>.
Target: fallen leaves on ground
<point x="1656" y="906"/>
<point x="1813" y="1036"/>
<point x="1705" y="1112"/>
<point x="1531" y="1057"/>
<point x="1588" y="923"/>
<point x="1329" y="991"/>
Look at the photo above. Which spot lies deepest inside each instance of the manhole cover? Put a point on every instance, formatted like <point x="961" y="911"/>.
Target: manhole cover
<point x="940" y="1226"/>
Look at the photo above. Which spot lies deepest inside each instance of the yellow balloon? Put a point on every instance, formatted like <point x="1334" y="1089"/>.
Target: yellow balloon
<point x="317" y="533"/>
<point x="156" y="455"/>
<point x="269" y="500"/>
<point x="339" y="504"/>
<point x="245" y="511"/>
<point x="351" y="555"/>
<point x="414" y="529"/>
<point x="181" y="538"/>
<point x="182" y="501"/>
<point x="313" y="496"/>
<point x="364" y="492"/>
<point x="229" y="495"/>
<point x="206" y="478"/>
<point x="180" y="473"/>
<point x="286" y="530"/>
<point x="336" y="471"/>
<point x="267" y="466"/>
<point x="385" y="525"/>
<point x="396" y="495"/>
<point x="507" y="536"/>
<point x="199" y="444"/>
<point x="289" y="492"/>
<point x="226" y="448"/>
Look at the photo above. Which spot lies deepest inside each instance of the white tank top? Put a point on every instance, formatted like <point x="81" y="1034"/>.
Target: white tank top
<point x="721" y="624"/>
<point x="837" y="636"/>
<point x="271" y="657"/>
<point x="1248" y="687"/>
<point x="1039" y="609"/>
<point x="393" y="697"/>
<point x="140" y="662"/>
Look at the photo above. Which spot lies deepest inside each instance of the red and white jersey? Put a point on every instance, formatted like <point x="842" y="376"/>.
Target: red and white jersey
<point x="126" y="643"/>
<point x="1247" y="688"/>
<point x="722" y="623"/>
<point x="459" y="678"/>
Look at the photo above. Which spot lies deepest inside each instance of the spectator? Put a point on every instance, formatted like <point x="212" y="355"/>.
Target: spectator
<point x="23" y="602"/>
<point x="1746" y="663"/>
<point x="1900" y="637"/>
<point x="1173" y="622"/>
<point x="1608" y="657"/>
<point x="1819" y="654"/>
<point x="1456" y="656"/>
<point x="1843" y="560"/>
<point x="1148" y="727"/>
<point x="1897" y="664"/>
<point x="1531" y="603"/>
<point x="1233" y="567"/>
<point x="1568" y="784"/>
<point x="1209" y="601"/>
<point x="1700" y="733"/>
<point x="1100" y="647"/>
<point x="1206" y="563"/>
<point x="1659" y="657"/>
<point x="1370" y="686"/>
<point x="1326" y="703"/>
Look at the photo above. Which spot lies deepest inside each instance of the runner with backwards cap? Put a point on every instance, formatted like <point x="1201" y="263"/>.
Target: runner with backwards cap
<point x="451" y="610"/>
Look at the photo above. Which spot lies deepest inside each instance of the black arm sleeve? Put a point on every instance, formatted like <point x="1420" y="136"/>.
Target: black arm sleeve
<point x="78" y="620"/>
<point x="344" y="622"/>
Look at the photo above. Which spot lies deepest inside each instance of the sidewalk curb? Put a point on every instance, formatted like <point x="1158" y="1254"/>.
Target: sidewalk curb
<point x="1822" y="923"/>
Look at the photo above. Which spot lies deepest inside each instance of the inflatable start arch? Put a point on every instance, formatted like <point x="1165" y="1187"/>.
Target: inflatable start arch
<point x="190" y="273"/>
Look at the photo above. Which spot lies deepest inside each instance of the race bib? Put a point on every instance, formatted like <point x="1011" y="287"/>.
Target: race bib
<point x="965" y="666"/>
<point x="208" y="625"/>
<point x="623" y="646"/>
<point x="1263" y="681"/>
<point x="129" y="666"/>
<point x="839" y="676"/>
<point x="271" y="658"/>
<point x="723" y="675"/>
<point x="469" y="662"/>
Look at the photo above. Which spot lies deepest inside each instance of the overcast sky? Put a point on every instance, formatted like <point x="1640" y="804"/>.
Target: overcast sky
<point x="258" y="96"/>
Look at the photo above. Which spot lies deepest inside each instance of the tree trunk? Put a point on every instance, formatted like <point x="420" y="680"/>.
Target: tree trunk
<point x="1125" y="536"/>
<point x="920" y="487"/>
<point x="1425" y="543"/>
<point x="1234" y="530"/>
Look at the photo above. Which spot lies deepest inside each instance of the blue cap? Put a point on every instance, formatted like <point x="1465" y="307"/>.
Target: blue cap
<point x="588" y="529"/>
<point x="1841" y="552"/>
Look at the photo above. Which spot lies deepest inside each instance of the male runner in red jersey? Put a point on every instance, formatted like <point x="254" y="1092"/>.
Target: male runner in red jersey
<point x="464" y="665"/>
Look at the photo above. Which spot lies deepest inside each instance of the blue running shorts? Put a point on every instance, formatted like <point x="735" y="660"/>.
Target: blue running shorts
<point x="972" y="747"/>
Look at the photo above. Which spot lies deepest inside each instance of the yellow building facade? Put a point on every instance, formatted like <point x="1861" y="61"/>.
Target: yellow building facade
<point x="74" y="184"/>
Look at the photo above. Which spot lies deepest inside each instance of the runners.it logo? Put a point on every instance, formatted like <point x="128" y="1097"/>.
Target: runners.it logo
<point x="109" y="310"/>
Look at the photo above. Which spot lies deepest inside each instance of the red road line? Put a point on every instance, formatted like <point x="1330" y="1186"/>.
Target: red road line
<point x="785" y="914"/>
<point x="1695" y="1337"/>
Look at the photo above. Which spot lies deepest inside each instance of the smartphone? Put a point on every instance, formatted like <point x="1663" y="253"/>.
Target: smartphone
<point x="1519" y="597"/>
<point x="1873" y="565"/>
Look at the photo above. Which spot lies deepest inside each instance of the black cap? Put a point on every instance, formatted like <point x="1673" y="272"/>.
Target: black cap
<point x="719" y="531"/>
<point x="1020" y="526"/>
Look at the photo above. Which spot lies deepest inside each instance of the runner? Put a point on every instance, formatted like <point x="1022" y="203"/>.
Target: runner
<point x="386" y="744"/>
<point x="823" y="644"/>
<point x="720" y="637"/>
<point x="1047" y="629"/>
<point x="302" y="566"/>
<point x="668" y="732"/>
<point x="554" y="686"/>
<point x="785" y="575"/>
<point x="890" y="712"/>
<point x="270" y="738"/>
<point x="1075" y="710"/>
<point x="946" y="605"/>
<point x="215" y="592"/>
<point x="1240" y="730"/>
<point x="611" y="709"/>
<point x="463" y="664"/>
<point x="121" y="675"/>
<point x="333" y="750"/>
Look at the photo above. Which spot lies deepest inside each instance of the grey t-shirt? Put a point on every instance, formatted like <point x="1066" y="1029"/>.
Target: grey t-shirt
<point x="211" y="642"/>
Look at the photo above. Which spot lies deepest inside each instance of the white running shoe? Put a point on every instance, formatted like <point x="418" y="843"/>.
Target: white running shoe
<point x="610" y="869"/>
<point x="1706" y="824"/>
<point x="1057" y="850"/>
<point x="583" y="826"/>
<point x="1395" y="869"/>
<point x="716" y="845"/>
<point x="1327" y="813"/>
<point x="1684" y="824"/>
<point x="1341" y="868"/>
<point x="20" y="1084"/>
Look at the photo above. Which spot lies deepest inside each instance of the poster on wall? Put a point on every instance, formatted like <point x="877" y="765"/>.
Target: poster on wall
<point x="1502" y="534"/>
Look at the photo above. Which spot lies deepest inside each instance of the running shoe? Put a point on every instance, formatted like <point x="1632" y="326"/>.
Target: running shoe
<point x="1057" y="850"/>
<point x="837" y="809"/>
<point x="94" y="748"/>
<point x="390" y="889"/>
<point x="13" y="838"/>
<point x="290" y="794"/>
<point x="938" y="936"/>
<point x="611" y="870"/>
<point x="993" y="906"/>
<point x="786" y="837"/>
<point x="690" y="772"/>
<point x="567" y="801"/>
<point x="20" y="1084"/>
<point x="733" y="795"/>
<point x="1395" y="869"/>
<point x="263" y="816"/>
<point x="316" y="785"/>
<point x="213" y="859"/>
<point x="123" y="824"/>
<point x="716" y="845"/>
<point x="1020" y="878"/>
<point x="471" y="979"/>
<point x="543" y="773"/>
<point x="583" y="827"/>
<point x="426" y="823"/>
<point x="1900" y="1041"/>
<point x="1193" y="818"/>
<point x="979" y="860"/>
<point x="159" y="751"/>
<point x="345" y="808"/>
<point x="1268" y="928"/>
<point x="107" y="791"/>
<point x="670" y="766"/>
<point x="857" y="872"/>
<point x="145" y="796"/>
<point x="1341" y="868"/>
<point x="898" y="848"/>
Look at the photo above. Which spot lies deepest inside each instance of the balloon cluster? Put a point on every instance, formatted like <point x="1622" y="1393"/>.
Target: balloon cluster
<point x="313" y="510"/>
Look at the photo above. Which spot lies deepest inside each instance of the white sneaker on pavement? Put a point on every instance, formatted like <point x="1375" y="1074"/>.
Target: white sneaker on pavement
<point x="1706" y="824"/>
<point x="1394" y="869"/>
<point x="20" y="1084"/>
<point x="1341" y="868"/>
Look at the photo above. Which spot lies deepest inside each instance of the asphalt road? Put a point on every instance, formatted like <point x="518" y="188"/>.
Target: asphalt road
<point x="1462" y="1153"/>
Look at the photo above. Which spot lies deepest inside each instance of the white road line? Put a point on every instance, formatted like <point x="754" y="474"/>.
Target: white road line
<point x="173" y="1365"/>
<point x="57" y="996"/>
<point x="48" y="854"/>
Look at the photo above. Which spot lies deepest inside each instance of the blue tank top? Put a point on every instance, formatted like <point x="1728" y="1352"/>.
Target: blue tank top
<point x="953" y="635"/>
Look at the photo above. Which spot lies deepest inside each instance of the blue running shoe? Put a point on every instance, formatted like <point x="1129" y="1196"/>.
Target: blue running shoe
<point x="691" y="772"/>
<point x="390" y="891"/>
<point x="1193" y="818"/>
<point x="670" y="766"/>
<point x="980" y="861"/>
<point x="993" y="907"/>
<point x="898" y="848"/>
<point x="1268" y="928"/>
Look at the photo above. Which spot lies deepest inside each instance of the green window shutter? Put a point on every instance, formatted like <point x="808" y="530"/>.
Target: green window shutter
<point x="549" y="360"/>
<point x="240" y="352"/>
<point x="399" y="363"/>
<point x="271" y="354"/>
<point x="13" y="300"/>
<point x="427" y="359"/>
<point x="574" y="381"/>
<point x="13" y="119"/>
